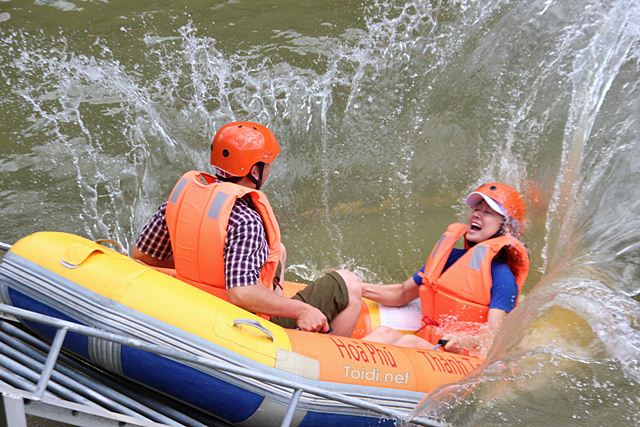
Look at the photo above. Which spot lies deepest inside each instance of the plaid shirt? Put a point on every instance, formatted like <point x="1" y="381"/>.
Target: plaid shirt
<point x="245" y="251"/>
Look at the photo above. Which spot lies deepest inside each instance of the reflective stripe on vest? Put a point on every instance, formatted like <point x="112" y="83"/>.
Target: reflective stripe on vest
<point x="216" y="205"/>
<point x="479" y="254"/>
<point x="175" y="194"/>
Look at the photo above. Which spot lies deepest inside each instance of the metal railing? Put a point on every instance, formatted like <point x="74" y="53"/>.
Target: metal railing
<point x="63" y="327"/>
<point x="297" y="389"/>
<point x="22" y="359"/>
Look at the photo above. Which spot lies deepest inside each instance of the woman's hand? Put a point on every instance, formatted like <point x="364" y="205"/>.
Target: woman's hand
<point x="457" y="344"/>
<point x="482" y="340"/>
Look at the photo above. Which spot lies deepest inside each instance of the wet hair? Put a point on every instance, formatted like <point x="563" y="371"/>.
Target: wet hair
<point x="510" y="226"/>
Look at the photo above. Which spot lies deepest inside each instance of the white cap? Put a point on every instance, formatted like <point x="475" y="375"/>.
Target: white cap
<point x="474" y="198"/>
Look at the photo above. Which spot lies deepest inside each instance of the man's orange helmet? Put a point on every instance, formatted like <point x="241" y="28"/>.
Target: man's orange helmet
<point x="238" y="146"/>
<point x="502" y="198"/>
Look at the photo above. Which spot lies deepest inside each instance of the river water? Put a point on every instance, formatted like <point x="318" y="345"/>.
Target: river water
<point x="388" y="114"/>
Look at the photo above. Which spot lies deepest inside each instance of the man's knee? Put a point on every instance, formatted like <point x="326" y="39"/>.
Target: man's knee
<point x="353" y="283"/>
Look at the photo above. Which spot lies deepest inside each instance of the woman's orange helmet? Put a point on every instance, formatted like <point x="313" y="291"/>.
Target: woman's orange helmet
<point x="238" y="146"/>
<point x="502" y="198"/>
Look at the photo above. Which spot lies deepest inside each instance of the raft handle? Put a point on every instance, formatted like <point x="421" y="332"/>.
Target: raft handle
<point x="77" y="253"/>
<point x="114" y="243"/>
<point x="255" y="324"/>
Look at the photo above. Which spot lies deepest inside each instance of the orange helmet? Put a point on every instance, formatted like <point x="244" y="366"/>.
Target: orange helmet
<point x="502" y="198"/>
<point x="238" y="146"/>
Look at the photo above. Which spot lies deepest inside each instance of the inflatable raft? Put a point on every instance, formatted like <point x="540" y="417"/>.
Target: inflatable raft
<point x="72" y="278"/>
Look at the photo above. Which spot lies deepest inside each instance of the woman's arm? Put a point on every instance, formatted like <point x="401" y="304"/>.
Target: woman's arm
<point x="457" y="344"/>
<point x="504" y="294"/>
<point x="395" y="295"/>
<point x="495" y="319"/>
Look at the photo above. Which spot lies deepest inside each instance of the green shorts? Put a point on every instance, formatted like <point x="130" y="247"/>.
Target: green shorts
<point x="328" y="294"/>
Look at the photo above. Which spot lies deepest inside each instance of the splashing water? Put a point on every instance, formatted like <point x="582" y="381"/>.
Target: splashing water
<point x="388" y="115"/>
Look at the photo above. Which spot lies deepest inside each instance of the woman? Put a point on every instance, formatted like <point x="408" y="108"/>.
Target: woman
<point x="475" y="286"/>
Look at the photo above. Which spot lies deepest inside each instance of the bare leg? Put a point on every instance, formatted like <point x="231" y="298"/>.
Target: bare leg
<point x="384" y="334"/>
<point x="345" y="321"/>
<point x="413" y="341"/>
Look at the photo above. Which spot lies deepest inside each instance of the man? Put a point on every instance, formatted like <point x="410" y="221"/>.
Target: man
<point x="220" y="234"/>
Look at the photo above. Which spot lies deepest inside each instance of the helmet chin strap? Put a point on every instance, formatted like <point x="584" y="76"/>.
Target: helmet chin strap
<point x="258" y="182"/>
<point x="233" y="179"/>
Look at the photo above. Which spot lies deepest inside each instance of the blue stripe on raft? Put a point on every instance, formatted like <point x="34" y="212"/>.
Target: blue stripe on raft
<point x="175" y="379"/>
<point x="190" y="385"/>
<point x="323" y="419"/>
<point x="75" y="342"/>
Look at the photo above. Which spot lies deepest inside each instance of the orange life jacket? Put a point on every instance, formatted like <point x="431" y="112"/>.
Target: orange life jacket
<point x="463" y="291"/>
<point x="198" y="213"/>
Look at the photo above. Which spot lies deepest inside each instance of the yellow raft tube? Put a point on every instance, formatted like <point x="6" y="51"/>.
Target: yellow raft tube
<point x="91" y="283"/>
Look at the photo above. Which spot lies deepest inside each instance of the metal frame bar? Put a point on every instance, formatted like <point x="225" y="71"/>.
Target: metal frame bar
<point x="12" y="411"/>
<point x="288" y="416"/>
<point x="202" y="361"/>
<point x="52" y="408"/>
<point x="56" y="346"/>
<point x="72" y="382"/>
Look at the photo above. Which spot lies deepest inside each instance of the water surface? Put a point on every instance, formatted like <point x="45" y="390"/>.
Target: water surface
<point x="388" y="114"/>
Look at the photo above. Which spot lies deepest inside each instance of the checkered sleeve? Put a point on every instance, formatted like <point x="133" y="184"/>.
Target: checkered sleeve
<point x="246" y="249"/>
<point x="154" y="239"/>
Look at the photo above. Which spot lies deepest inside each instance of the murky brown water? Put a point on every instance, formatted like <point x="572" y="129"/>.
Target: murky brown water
<point x="388" y="113"/>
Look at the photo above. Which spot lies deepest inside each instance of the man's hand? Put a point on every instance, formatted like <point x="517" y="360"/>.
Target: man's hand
<point x="258" y="299"/>
<point x="311" y="319"/>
